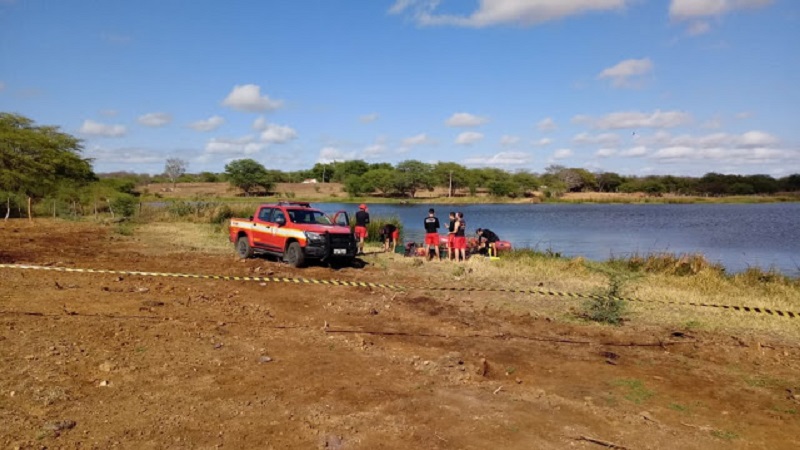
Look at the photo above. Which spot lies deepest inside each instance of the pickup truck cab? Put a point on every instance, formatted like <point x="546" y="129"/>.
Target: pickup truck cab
<point x="295" y="232"/>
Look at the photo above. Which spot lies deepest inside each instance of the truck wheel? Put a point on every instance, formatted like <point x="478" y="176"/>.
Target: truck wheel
<point x="294" y="255"/>
<point x="243" y="248"/>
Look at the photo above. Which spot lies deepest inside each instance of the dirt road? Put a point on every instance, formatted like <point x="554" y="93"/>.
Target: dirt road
<point x="102" y="361"/>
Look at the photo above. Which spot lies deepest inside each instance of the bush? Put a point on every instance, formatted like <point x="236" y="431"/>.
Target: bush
<point x="124" y="205"/>
<point x="608" y="306"/>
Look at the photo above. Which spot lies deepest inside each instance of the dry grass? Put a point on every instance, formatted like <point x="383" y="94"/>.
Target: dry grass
<point x="660" y="282"/>
<point x="166" y="237"/>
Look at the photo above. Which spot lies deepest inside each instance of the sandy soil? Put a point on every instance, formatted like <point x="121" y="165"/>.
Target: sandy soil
<point x="101" y="361"/>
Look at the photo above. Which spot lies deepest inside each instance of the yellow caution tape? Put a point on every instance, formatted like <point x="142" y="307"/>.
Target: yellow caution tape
<point x="295" y="280"/>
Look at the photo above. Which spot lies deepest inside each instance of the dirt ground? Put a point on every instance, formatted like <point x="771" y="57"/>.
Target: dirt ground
<point x="103" y="361"/>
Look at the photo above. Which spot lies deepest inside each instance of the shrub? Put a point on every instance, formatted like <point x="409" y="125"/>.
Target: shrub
<point x="608" y="306"/>
<point x="124" y="205"/>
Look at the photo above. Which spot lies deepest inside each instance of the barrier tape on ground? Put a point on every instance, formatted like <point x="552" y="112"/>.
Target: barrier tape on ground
<point x="295" y="280"/>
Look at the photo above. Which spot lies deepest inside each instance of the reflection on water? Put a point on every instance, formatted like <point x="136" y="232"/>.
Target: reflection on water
<point x="737" y="235"/>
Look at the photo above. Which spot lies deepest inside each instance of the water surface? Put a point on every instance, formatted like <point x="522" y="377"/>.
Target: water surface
<point x="736" y="235"/>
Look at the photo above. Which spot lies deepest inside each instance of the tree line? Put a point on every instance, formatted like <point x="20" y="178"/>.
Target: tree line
<point x="407" y="178"/>
<point x="43" y="166"/>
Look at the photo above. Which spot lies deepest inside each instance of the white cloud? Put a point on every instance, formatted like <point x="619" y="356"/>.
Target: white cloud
<point x="543" y="142"/>
<point x="605" y="152"/>
<point x="605" y="139"/>
<point x="92" y="128"/>
<point x="699" y="27"/>
<point x="419" y="139"/>
<point x="468" y="138"/>
<point x="210" y="124"/>
<point x="277" y="134"/>
<point x="507" y="140"/>
<point x="260" y="124"/>
<point x="375" y="150"/>
<point x="499" y="12"/>
<point x="547" y="125"/>
<point x="368" y="118"/>
<point x="748" y="140"/>
<point x="501" y="159"/>
<point x="331" y="154"/>
<point x="634" y="152"/>
<point x="129" y="155"/>
<point x="627" y="72"/>
<point x="635" y="119"/>
<point x="562" y="153"/>
<point x="691" y="9"/>
<point x="752" y="147"/>
<point x="157" y="119"/>
<point x="243" y="146"/>
<point x="465" y="120"/>
<point x="248" y="98"/>
<point x="753" y="139"/>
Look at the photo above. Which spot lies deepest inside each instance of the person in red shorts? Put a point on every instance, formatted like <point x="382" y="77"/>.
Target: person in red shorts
<point x="451" y="235"/>
<point x="362" y="220"/>
<point x="390" y="234"/>
<point x="460" y="239"/>
<point x="432" y="234"/>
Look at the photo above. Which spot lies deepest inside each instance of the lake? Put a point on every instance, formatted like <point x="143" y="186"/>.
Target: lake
<point x="736" y="235"/>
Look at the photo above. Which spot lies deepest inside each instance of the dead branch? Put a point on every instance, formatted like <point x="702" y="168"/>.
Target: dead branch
<point x="601" y="442"/>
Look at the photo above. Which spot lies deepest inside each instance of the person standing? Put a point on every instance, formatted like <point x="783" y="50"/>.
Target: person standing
<point x="451" y="234"/>
<point x="432" y="234"/>
<point x="460" y="240"/>
<point x="362" y="220"/>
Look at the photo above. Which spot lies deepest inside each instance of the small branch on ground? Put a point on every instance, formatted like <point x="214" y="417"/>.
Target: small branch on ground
<point x="601" y="442"/>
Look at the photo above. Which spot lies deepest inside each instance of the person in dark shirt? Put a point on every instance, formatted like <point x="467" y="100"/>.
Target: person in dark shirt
<point x="460" y="239"/>
<point x="451" y="234"/>
<point x="362" y="220"/>
<point x="486" y="240"/>
<point x="432" y="234"/>
<point x="389" y="236"/>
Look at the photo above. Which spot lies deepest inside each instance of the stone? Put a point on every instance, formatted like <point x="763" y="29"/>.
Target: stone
<point x="264" y="359"/>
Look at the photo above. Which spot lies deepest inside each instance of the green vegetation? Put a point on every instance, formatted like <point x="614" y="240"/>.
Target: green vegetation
<point x="634" y="390"/>
<point x="726" y="435"/>
<point x="247" y="174"/>
<point x="608" y="307"/>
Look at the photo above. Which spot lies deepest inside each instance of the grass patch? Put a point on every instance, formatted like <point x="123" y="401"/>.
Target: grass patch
<point x="124" y="229"/>
<point x="726" y="435"/>
<point x="634" y="390"/>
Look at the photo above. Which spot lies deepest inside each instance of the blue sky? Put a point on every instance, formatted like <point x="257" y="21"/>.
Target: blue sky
<point x="632" y="86"/>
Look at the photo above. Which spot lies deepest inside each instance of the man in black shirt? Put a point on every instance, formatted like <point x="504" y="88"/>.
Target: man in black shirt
<point x="486" y="240"/>
<point x="432" y="234"/>
<point x="389" y="236"/>
<point x="362" y="220"/>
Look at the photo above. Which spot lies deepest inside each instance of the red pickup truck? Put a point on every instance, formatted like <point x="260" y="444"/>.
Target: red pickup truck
<point x="295" y="232"/>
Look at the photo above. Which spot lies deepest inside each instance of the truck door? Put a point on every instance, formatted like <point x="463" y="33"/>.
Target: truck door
<point x="341" y="219"/>
<point x="263" y="231"/>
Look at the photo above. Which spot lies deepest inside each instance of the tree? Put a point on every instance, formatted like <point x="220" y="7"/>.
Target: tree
<point x="37" y="161"/>
<point x="344" y="169"/>
<point x="247" y="174"/>
<point x="413" y="175"/>
<point x="608" y="181"/>
<point x="380" y="179"/>
<point x="450" y="175"/>
<point x="174" y="168"/>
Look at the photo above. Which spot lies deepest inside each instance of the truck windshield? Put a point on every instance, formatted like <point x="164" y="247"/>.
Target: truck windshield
<point x="308" y="216"/>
